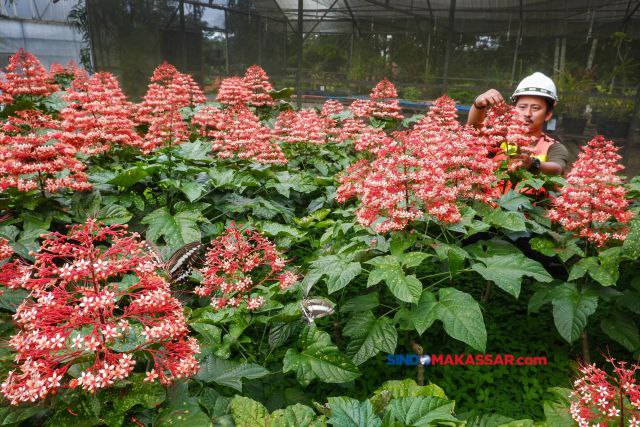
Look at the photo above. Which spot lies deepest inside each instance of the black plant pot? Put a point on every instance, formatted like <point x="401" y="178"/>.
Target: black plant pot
<point x="573" y="125"/>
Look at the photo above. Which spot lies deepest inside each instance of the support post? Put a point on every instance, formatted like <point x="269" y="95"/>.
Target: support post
<point x="300" y="40"/>
<point x="226" y="44"/>
<point x="183" y="40"/>
<point x="447" y="53"/>
<point x="563" y="54"/>
<point x="592" y="53"/>
<point x="556" y="58"/>
<point x="515" y="51"/>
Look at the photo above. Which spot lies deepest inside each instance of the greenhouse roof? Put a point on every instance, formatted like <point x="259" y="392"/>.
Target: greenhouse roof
<point x="569" y="18"/>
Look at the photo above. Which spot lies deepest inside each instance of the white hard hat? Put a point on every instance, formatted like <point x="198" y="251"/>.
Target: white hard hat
<point x="536" y="84"/>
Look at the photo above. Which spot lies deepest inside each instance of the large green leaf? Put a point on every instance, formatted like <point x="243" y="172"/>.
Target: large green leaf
<point x="196" y="150"/>
<point x="181" y="410"/>
<point x="295" y="416"/>
<point x="248" y="413"/>
<point x="228" y="373"/>
<point x="421" y="411"/>
<point x="319" y="358"/>
<point x="369" y="336"/>
<point x="340" y="271"/>
<point x="360" y="303"/>
<point x="461" y="317"/>
<point x="512" y="221"/>
<point x="631" y="245"/>
<point x="129" y="177"/>
<point x="571" y="309"/>
<point x="425" y="312"/>
<point x="506" y="271"/>
<point x="176" y="230"/>
<point x="623" y="330"/>
<point x="348" y="412"/>
<point x="114" y="214"/>
<point x="556" y="411"/>
<point x="395" y="389"/>
<point x="603" y="270"/>
<point x="388" y="268"/>
<point x="286" y="182"/>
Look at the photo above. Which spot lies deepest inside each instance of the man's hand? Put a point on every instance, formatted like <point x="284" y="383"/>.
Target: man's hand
<point x="488" y="99"/>
<point x="527" y="160"/>
<point x="476" y="114"/>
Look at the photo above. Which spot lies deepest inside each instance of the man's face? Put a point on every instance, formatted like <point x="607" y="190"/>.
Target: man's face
<point x="533" y="109"/>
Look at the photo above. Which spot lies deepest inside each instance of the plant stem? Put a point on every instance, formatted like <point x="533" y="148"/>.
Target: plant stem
<point x="586" y="354"/>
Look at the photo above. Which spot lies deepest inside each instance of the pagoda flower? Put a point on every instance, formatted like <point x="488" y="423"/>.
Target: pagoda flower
<point x="80" y="310"/>
<point x="97" y="115"/>
<point x="385" y="104"/>
<point x="257" y="81"/>
<point x="239" y="265"/>
<point x="234" y="91"/>
<point x="507" y="135"/>
<point x="237" y="132"/>
<point x="332" y="107"/>
<point x="304" y="126"/>
<point x="605" y="399"/>
<point x="65" y="75"/>
<point x="31" y="158"/>
<point x="25" y="75"/>
<point x="168" y="92"/>
<point x="593" y="204"/>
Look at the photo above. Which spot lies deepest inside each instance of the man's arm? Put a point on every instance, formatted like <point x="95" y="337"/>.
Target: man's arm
<point x="479" y="107"/>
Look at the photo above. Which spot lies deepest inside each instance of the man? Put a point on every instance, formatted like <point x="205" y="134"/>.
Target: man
<point x="534" y="100"/>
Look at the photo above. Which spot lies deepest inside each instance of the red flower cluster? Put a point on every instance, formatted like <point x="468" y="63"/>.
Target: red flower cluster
<point x="593" y="204"/>
<point x="30" y="157"/>
<point x="234" y="91"/>
<point x="507" y="135"/>
<point x="238" y="265"/>
<point x="601" y="399"/>
<point x="237" y="131"/>
<point x="302" y="126"/>
<point x="168" y="92"/>
<point x="97" y="115"/>
<point x="82" y="308"/>
<point x="331" y="107"/>
<point x="256" y="79"/>
<point x="428" y="170"/>
<point x="25" y="75"/>
<point x="382" y="105"/>
<point x="459" y="151"/>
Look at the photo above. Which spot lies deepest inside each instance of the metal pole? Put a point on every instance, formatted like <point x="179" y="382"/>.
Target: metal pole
<point x="447" y="53"/>
<point x="259" y="41"/>
<point x="226" y="44"/>
<point x="300" y="39"/>
<point x="631" y="142"/>
<point x="556" y="58"/>
<point x="592" y="53"/>
<point x="183" y="39"/>
<point x="515" y="52"/>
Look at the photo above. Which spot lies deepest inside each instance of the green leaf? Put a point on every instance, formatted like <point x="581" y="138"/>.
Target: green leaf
<point x="571" y="309"/>
<point x="421" y="411"/>
<point x="340" y="271"/>
<point x="622" y="330"/>
<point x="215" y="404"/>
<point x="512" y="221"/>
<point x="10" y="299"/>
<point x="275" y="229"/>
<point x="413" y="259"/>
<point x="369" y="336"/>
<point x="192" y="190"/>
<point x="14" y="415"/>
<point x="425" y="312"/>
<point x="114" y="214"/>
<point x="602" y="270"/>
<point x="129" y="177"/>
<point x="248" y="413"/>
<point x="348" y="412"/>
<point x="228" y="373"/>
<point x="177" y="230"/>
<point x="513" y="201"/>
<point x="286" y="182"/>
<point x="461" y="317"/>
<point x="360" y="303"/>
<point x="295" y="416"/>
<point x="181" y="410"/>
<point x="395" y="389"/>
<point x="507" y="271"/>
<point x="319" y="358"/>
<point x="196" y="150"/>
<point x="405" y="288"/>
<point x="631" y="245"/>
<point x="556" y="411"/>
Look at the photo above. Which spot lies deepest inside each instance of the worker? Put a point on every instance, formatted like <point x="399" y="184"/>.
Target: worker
<point x="534" y="99"/>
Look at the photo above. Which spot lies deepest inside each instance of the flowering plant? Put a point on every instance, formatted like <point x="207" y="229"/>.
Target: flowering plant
<point x="96" y="297"/>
